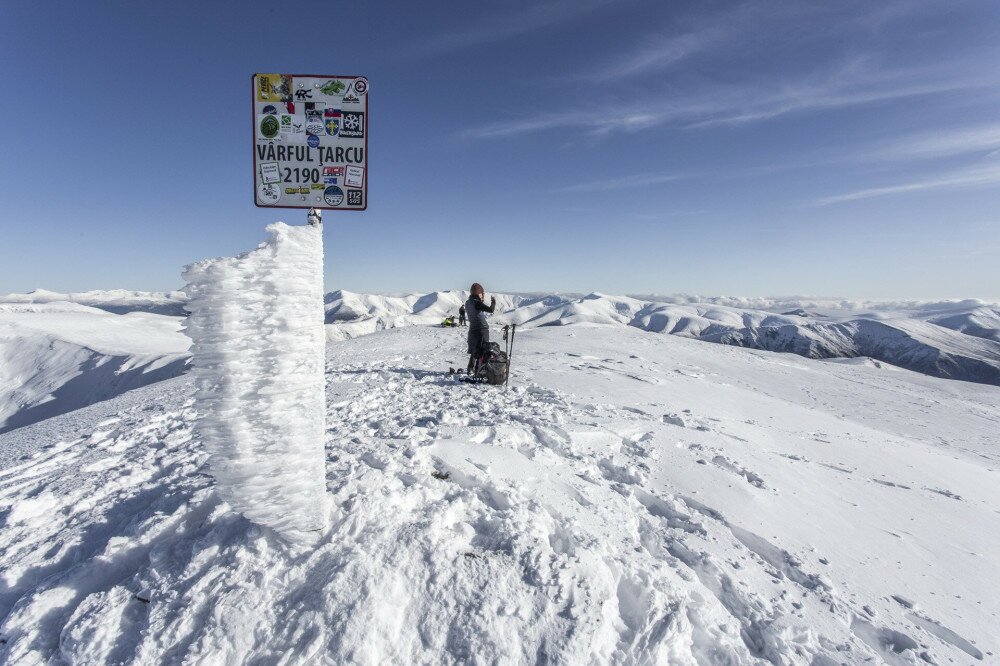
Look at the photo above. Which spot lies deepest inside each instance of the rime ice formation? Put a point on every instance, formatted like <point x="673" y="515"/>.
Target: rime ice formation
<point x="258" y="350"/>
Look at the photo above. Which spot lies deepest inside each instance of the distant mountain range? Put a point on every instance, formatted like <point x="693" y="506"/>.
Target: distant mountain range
<point x="954" y="340"/>
<point x="60" y="352"/>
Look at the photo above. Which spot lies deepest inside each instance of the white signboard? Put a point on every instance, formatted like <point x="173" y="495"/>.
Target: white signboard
<point x="310" y="141"/>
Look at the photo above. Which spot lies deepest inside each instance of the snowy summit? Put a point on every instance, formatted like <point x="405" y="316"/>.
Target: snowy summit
<point x="633" y="497"/>
<point x="472" y="401"/>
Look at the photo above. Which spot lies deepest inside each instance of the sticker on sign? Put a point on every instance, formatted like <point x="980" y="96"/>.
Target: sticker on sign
<point x="310" y="140"/>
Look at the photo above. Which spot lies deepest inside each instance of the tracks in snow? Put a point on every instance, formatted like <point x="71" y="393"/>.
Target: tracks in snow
<point x="644" y="576"/>
<point x="467" y="523"/>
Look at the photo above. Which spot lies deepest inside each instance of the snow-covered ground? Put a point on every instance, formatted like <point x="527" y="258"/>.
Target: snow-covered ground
<point x="117" y="301"/>
<point x="60" y="356"/>
<point x="55" y="364"/>
<point x="631" y="498"/>
<point x="956" y="340"/>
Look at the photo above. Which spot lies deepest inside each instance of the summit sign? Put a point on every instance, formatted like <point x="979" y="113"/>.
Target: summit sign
<point x="310" y="141"/>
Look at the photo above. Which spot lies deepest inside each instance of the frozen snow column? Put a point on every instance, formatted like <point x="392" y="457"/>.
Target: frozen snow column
<point x="258" y="351"/>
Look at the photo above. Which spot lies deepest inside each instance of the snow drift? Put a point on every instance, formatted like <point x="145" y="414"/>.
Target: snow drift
<point x="258" y="350"/>
<point x="57" y="356"/>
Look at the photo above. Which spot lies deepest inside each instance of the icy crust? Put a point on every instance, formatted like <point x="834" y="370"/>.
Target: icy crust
<point x="258" y="350"/>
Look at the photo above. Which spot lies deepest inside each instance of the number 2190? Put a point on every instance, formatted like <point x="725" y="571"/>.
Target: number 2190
<point x="301" y="175"/>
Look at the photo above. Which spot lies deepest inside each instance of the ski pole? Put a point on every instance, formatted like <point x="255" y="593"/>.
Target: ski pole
<point x="510" y="353"/>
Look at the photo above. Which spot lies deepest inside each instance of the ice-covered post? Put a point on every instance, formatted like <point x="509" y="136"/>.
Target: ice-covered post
<point x="258" y="353"/>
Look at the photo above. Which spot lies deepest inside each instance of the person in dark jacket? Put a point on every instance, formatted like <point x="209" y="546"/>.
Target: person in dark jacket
<point x="479" y="327"/>
<point x="461" y="315"/>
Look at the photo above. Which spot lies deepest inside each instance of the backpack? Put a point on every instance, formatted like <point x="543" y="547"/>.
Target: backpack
<point x="497" y="365"/>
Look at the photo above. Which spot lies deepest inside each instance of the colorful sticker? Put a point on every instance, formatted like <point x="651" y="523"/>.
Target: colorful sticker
<point x="333" y="87"/>
<point x="333" y="196"/>
<point x="274" y="87"/>
<point x="361" y="85"/>
<point x="314" y="120"/>
<point x="354" y="176"/>
<point x="268" y="193"/>
<point x="353" y="125"/>
<point x="291" y="124"/>
<point x="269" y="172"/>
<point x="268" y="126"/>
<point x="332" y="120"/>
<point x="355" y="198"/>
<point x="313" y="141"/>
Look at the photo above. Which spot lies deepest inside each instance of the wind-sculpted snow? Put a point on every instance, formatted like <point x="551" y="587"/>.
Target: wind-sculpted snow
<point x="258" y="343"/>
<point x="57" y="357"/>
<point x="953" y="340"/>
<point x="630" y="499"/>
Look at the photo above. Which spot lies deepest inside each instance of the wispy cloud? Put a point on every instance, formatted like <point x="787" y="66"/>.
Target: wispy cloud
<point x="736" y="79"/>
<point x="536" y="16"/>
<point x="943" y="143"/>
<point x="988" y="174"/>
<point x="734" y="104"/>
<point x="596" y="120"/>
<point x="821" y="97"/>
<point x="658" y="54"/>
<point x="622" y="183"/>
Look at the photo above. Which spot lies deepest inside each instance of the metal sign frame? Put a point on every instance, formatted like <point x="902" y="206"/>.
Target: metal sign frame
<point x="311" y="202"/>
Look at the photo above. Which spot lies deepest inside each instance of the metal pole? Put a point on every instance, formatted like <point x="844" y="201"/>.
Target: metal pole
<point x="510" y="354"/>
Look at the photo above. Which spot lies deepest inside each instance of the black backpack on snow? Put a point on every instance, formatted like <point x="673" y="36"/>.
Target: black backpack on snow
<point x="497" y="365"/>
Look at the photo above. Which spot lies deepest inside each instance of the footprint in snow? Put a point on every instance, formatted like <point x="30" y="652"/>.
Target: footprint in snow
<point x="674" y="419"/>
<point x="748" y="476"/>
<point x="946" y="493"/>
<point x="891" y="484"/>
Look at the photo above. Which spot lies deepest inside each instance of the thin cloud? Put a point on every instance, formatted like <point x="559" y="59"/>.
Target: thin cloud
<point x="972" y="177"/>
<point x="703" y="34"/>
<point x="658" y="55"/>
<point x="958" y="141"/>
<point x="809" y="98"/>
<point x="536" y="16"/>
<point x="731" y="105"/>
<point x="597" y="121"/>
<point x="622" y="183"/>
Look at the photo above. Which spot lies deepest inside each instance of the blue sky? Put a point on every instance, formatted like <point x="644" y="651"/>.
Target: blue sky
<point x="745" y="148"/>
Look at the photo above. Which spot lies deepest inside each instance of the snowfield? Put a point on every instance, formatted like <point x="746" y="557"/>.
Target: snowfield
<point x="631" y="498"/>
<point x="59" y="356"/>
<point x="64" y="351"/>
<point x="955" y="340"/>
<point x="116" y="301"/>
